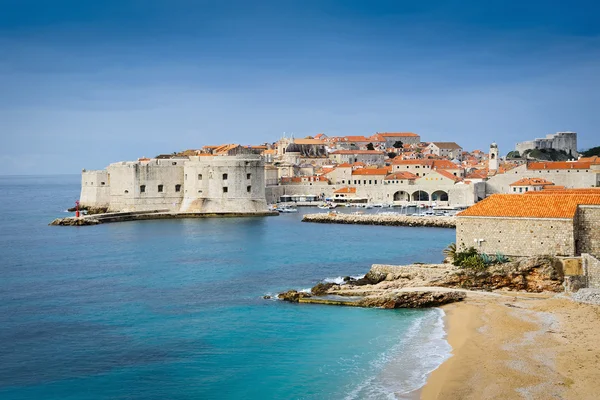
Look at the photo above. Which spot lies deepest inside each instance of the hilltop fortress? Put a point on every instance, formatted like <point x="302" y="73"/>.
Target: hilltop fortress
<point x="194" y="184"/>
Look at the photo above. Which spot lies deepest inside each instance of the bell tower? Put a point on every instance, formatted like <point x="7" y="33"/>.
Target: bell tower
<point x="493" y="158"/>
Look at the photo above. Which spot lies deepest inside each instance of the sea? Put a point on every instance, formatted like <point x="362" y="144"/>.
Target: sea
<point x="174" y="309"/>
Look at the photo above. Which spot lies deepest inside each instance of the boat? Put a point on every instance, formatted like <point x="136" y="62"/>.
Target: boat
<point x="286" y="209"/>
<point x="327" y="206"/>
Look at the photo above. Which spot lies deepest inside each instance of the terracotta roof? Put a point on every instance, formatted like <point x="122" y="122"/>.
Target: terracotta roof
<point x="358" y="152"/>
<point x="446" y="145"/>
<point x="397" y="161"/>
<point x="559" y="165"/>
<point x="397" y="134"/>
<point x="531" y="182"/>
<point x="305" y="179"/>
<point x="444" y="164"/>
<point x="346" y="189"/>
<point x="477" y="174"/>
<point x="356" y="139"/>
<point x="370" y="171"/>
<point x="447" y="174"/>
<point x="557" y="205"/>
<point x="309" y="141"/>
<point x="563" y="190"/>
<point x="344" y="165"/>
<point x="593" y="159"/>
<point x="401" y="175"/>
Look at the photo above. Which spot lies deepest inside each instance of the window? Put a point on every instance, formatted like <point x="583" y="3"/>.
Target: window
<point x="199" y="177"/>
<point x="224" y="189"/>
<point x="143" y="189"/>
<point x="224" y="177"/>
<point x="178" y="188"/>
<point x="160" y="188"/>
<point x="370" y="181"/>
<point x="248" y="176"/>
<point x="185" y="177"/>
<point x="102" y="183"/>
<point x="248" y="189"/>
<point x="376" y="181"/>
<point x="343" y="181"/>
<point x="126" y="191"/>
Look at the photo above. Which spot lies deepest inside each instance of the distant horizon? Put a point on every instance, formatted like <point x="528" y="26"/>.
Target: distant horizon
<point x="85" y="85"/>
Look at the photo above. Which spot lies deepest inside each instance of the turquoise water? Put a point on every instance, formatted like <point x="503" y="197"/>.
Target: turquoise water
<point x="174" y="309"/>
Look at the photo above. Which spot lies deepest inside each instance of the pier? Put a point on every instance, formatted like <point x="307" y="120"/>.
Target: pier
<point x="381" y="219"/>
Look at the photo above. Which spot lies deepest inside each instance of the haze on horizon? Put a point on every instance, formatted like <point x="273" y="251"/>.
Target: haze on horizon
<point x="85" y="84"/>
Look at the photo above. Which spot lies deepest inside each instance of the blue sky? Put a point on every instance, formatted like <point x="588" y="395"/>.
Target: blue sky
<point x="87" y="83"/>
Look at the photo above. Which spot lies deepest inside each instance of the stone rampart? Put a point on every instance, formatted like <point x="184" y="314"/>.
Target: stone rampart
<point x="516" y="236"/>
<point x="588" y="229"/>
<point x="591" y="268"/>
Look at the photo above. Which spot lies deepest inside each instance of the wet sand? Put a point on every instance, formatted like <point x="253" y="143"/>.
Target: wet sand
<point x="519" y="348"/>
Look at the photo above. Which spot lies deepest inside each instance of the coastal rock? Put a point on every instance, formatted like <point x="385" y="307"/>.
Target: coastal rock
<point x="90" y="210"/>
<point x="72" y="221"/>
<point x="321" y="288"/>
<point x="292" y="296"/>
<point x="416" y="299"/>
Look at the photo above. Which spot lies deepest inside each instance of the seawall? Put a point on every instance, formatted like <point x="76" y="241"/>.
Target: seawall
<point x="378" y="219"/>
<point x="149" y="215"/>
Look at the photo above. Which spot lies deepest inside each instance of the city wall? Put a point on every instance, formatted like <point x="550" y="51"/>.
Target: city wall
<point x="516" y="236"/>
<point x="588" y="229"/>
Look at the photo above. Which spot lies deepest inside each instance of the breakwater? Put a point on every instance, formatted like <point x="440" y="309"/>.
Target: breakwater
<point x="380" y="219"/>
<point x="148" y="215"/>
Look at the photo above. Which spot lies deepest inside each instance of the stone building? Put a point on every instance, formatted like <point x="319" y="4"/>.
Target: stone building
<point x="450" y="150"/>
<point x="565" y="141"/>
<point x="562" y="223"/>
<point x="369" y="157"/>
<point x="203" y="184"/>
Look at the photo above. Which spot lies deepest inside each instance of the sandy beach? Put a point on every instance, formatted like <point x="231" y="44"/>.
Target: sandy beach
<point x="525" y="347"/>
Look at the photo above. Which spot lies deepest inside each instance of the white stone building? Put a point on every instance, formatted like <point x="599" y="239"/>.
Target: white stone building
<point x="566" y="141"/>
<point x="200" y="184"/>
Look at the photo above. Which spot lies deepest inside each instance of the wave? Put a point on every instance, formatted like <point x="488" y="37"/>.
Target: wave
<point x="339" y="280"/>
<point x="404" y="368"/>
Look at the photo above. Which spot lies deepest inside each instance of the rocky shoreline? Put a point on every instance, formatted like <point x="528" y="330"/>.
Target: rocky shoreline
<point x="432" y="285"/>
<point x="380" y="219"/>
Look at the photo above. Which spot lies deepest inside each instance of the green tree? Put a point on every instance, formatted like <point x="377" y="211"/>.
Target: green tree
<point x="398" y="144"/>
<point x="594" y="151"/>
<point x="370" y="146"/>
<point x="391" y="154"/>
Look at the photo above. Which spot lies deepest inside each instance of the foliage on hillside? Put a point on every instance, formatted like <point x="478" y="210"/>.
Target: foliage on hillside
<point x="547" y="155"/>
<point x="594" y="151"/>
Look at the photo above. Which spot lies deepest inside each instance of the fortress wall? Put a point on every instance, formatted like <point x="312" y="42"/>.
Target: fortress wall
<point x="224" y="184"/>
<point x="516" y="236"/>
<point x="588" y="229"/>
<point x="128" y="178"/>
<point x="95" y="188"/>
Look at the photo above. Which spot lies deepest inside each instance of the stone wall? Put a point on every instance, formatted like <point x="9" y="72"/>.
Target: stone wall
<point x="516" y="236"/>
<point x="95" y="188"/>
<point x="588" y="229"/>
<point x="591" y="268"/>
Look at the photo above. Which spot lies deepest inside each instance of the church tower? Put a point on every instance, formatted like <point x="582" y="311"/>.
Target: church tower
<point x="493" y="158"/>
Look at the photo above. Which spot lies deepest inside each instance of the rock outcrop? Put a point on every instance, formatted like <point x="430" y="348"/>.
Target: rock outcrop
<point x="381" y="219"/>
<point x="293" y="296"/>
<point x="416" y="299"/>
<point x="89" y="210"/>
<point x="72" y="221"/>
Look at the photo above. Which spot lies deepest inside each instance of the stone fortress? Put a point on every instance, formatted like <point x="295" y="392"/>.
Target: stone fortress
<point x="566" y="141"/>
<point x="194" y="184"/>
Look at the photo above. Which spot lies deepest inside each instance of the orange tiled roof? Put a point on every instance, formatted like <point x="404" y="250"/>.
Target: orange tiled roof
<point x="531" y="182"/>
<point x="346" y="189"/>
<point x="593" y="159"/>
<point x="357" y="152"/>
<point x="356" y="139"/>
<point x="345" y="165"/>
<point x="444" y="164"/>
<point x="559" y="165"/>
<point x="477" y="174"/>
<point x="309" y="141"/>
<point x="448" y="175"/>
<point x="557" y="205"/>
<point x="401" y="175"/>
<point x="370" y="171"/>
<point x="397" y="134"/>
<point x="563" y="190"/>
